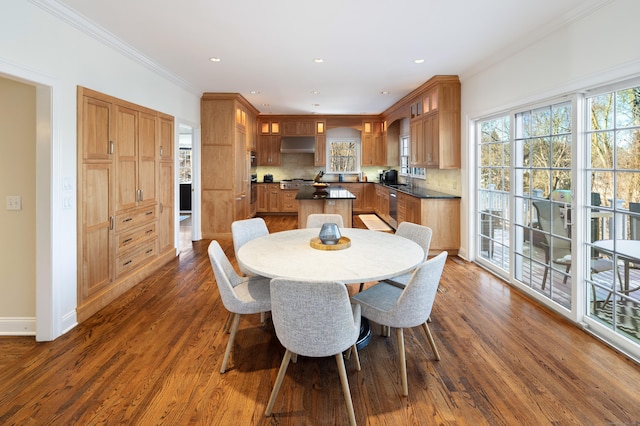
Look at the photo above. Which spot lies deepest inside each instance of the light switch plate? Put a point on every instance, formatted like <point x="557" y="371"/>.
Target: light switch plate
<point x="14" y="202"/>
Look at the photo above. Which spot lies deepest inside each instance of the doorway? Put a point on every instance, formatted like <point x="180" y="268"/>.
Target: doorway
<point x="185" y="183"/>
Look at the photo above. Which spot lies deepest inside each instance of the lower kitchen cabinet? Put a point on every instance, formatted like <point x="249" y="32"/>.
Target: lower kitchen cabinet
<point x="288" y="202"/>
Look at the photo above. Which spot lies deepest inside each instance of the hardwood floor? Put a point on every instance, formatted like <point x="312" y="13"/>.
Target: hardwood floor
<point x="153" y="357"/>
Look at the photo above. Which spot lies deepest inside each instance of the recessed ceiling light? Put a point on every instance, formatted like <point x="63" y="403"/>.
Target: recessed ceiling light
<point x="384" y="92"/>
<point x="265" y="104"/>
<point x="315" y="92"/>
<point x="418" y="61"/>
<point x="315" y="105"/>
<point x="318" y="60"/>
<point x="255" y="92"/>
<point x="214" y="59"/>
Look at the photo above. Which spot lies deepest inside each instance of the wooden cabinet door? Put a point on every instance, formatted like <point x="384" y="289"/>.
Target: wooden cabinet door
<point x="269" y="150"/>
<point x="165" y="150"/>
<point x="165" y="206"/>
<point x="274" y="198"/>
<point x="96" y="258"/>
<point x="263" y="198"/>
<point x="96" y="129"/>
<point x="147" y="141"/>
<point x="432" y="140"/>
<point x="126" y="155"/>
<point x="320" y="158"/>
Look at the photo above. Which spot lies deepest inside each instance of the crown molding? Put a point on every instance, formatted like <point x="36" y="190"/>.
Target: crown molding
<point x="73" y="18"/>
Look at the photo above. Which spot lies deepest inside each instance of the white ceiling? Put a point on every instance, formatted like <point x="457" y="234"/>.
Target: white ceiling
<point x="368" y="46"/>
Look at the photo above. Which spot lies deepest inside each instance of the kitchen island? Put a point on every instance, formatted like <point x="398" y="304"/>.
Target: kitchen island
<point x="331" y="199"/>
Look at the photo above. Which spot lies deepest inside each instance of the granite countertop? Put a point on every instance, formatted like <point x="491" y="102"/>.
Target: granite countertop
<point x="331" y="192"/>
<point x="419" y="192"/>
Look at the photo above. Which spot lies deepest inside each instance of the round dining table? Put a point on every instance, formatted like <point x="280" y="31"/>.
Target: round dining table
<point x="371" y="256"/>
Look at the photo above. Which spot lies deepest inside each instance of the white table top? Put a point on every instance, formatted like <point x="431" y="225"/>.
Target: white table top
<point x="626" y="248"/>
<point x="373" y="256"/>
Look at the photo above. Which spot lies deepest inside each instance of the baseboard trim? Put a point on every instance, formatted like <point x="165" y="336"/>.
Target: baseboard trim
<point x="17" y="326"/>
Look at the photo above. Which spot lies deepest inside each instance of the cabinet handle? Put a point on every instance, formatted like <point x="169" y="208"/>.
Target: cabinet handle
<point x="129" y="219"/>
<point x="149" y="213"/>
<point x="150" y="231"/>
<point x="161" y="207"/>
<point x="148" y="251"/>
<point x="128" y="240"/>
<point x="128" y="262"/>
<point x="111" y="146"/>
<point x="111" y="223"/>
<point x="161" y="151"/>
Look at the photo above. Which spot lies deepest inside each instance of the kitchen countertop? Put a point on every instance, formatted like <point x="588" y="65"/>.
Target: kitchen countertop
<point x="419" y="192"/>
<point x="331" y="192"/>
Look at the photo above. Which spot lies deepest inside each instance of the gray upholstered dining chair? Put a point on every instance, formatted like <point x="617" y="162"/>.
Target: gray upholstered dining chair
<point x="315" y="220"/>
<point x="314" y="319"/>
<point x="392" y="306"/>
<point x="419" y="234"/>
<point x="240" y="295"/>
<point x="243" y="231"/>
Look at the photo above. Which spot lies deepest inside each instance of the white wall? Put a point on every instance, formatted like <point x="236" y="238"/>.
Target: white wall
<point x="597" y="48"/>
<point x="39" y="47"/>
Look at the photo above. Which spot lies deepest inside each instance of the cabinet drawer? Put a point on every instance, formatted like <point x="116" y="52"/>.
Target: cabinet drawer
<point x="289" y="202"/>
<point x="132" y="238"/>
<point x="134" y="218"/>
<point x="131" y="260"/>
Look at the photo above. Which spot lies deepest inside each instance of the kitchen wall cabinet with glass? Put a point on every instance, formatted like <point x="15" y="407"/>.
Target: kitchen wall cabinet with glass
<point x="268" y="145"/>
<point x="125" y="197"/>
<point x="435" y="124"/>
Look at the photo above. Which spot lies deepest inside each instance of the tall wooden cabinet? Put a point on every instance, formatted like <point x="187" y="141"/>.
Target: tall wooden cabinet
<point x="226" y="141"/>
<point x="435" y="124"/>
<point x="125" y="197"/>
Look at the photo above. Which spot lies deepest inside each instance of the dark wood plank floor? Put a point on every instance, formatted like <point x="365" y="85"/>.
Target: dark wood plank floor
<point x="153" y="357"/>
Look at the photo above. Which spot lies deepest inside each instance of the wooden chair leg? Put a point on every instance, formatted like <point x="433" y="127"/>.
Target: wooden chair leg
<point x="276" y="386"/>
<point x="263" y="317"/>
<point x="227" y="324"/>
<point x="403" y="362"/>
<point x="356" y="357"/>
<point x="227" y="352"/>
<point x="432" y="342"/>
<point x="345" y="389"/>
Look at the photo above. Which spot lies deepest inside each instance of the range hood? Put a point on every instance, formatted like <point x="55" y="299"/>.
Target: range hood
<point x="297" y="144"/>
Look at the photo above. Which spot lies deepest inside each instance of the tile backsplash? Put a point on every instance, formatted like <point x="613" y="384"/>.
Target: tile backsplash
<point x="300" y="166"/>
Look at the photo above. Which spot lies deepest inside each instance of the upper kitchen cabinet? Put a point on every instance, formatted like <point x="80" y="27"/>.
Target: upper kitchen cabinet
<point x="268" y="146"/>
<point x="298" y="128"/>
<point x="320" y="154"/>
<point x="373" y="148"/>
<point x="435" y="124"/>
<point x="434" y="112"/>
<point x="225" y="121"/>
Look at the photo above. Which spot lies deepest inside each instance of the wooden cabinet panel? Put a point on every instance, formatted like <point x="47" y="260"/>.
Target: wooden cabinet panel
<point x="165" y="150"/>
<point x="443" y="217"/>
<point x="373" y="151"/>
<point x="96" y="254"/>
<point x="95" y="129"/>
<point x="320" y="153"/>
<point x="166" y="207"/>
<point x="263" y="198"/>
<point x="273" y="199"/>
<point x="147" y="141"/>
<point x="126" y="150"/>
<point x="298" y="128"/>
